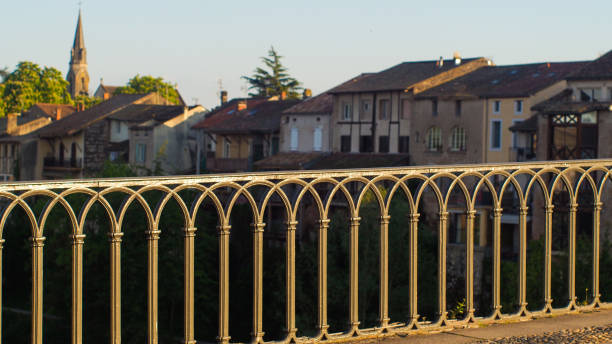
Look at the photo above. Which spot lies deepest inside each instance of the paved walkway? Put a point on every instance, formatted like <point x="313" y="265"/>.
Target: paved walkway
<point x="592" y="327"/>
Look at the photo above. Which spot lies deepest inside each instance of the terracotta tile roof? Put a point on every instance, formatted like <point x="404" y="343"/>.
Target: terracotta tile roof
<point x="563" y="103"/>
<point x="359" y="160"/>
<point x="219" y="114"/>
<point x="82" y="119"/>
<point x="260" y="116"/>
<point x="288" y="161"/>
<point x="50" y="110"/>
<point x="400" y="77"/>
<point x="323" y="103"/>
<point x="109" y="89"/>
<point x="505" y="81"/>
<point x="528" y="125"/>
<point x="138" y="113"/>
<point x="599" y="69"/>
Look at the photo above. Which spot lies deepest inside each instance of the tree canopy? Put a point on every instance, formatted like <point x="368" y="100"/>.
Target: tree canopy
<point x="29" y="84"/>
<point x="270" y="83"/>
<point x="146" y="84"/>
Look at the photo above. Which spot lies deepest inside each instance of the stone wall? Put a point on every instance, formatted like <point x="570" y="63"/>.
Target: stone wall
<point x="96" y="143"/>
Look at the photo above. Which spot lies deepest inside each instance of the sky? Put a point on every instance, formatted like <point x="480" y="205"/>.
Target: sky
<point x="199" y="43"/>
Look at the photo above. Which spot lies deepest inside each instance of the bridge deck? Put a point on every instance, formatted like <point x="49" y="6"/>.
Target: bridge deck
<point x="592" y="327"/>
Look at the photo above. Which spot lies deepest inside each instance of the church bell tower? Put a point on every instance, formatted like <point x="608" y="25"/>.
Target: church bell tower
<point x="78" y="78"/>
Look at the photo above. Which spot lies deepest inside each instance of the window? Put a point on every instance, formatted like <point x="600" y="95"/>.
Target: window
<point x="458" y="108"/>
<point x="434" y="139"/>
<point x="366" y="145"/>
<point x="434" y="107"/>
<point x="573" y="136"/>
<point x="496" y="106"/>
<point x="346" y="111"/>
<point x="226" y="148"/>
<point x="318" y="139"/>
<point x="515" y="142"/>
<point x="518" y="106"/>
<point x="345" y="143"/>
<point x="383" y="144"/>
<point x="294" y="139"/>
<point x="113" y="156"/>
<point x="385" y="109"/>
<point x="141" y="152"/>
<point x="406" y="109"/>
<point x="590" y="94"/>
<point x="403" y="144"/>
<point x="365" y="109"/>
<point x="275" y="145"/>
<point x="457" y="139"/>
<point x="496" y="134"/>
<point x="117" y="126"/>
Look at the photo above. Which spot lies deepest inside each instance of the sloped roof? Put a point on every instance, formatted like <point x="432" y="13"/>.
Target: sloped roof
<point x="562" y="103"/>
<point x="51" y="110"/>
<point x="80" y="120"/>
<point x="219" y="114"/>
<point x="108" y="88"/>
<point x="322" y="103"/>
<point x="598" y="69"/>
<point x="262" y="117"/>
<point x="505" y="81"/>
<point x="138" y="113"/>
<point x="528" y="125"/>
<point x="401" y="76"/>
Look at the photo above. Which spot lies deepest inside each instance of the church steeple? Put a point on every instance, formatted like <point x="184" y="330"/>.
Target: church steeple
<point x="78" y="78"/>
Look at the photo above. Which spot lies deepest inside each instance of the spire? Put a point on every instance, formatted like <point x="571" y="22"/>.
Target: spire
<point x="78" y="78"/>
<point x="78" y="47"/>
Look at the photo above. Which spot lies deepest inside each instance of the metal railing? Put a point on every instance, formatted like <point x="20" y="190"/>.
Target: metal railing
<point x="497" y="178"/>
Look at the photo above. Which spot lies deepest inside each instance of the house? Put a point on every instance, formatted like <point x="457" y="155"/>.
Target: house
<point x="53" y="111"/>
<point x="79" y="144"/>
<point x="243" y="131"/>
<point x="155" y="138"/>
<point x="466" y="120"/>
<point x="104" y="92"/>
<point x="306" y="127"/>
<point x="372" y="112"/>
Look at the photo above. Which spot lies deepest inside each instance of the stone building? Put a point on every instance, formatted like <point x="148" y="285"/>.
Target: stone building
<point x="78" y="77"/>
<point x="372" y="112"/>
<point x="78" y="145"/>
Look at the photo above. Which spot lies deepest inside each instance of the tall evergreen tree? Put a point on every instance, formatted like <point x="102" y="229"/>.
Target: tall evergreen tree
<point x="270" y="83"/>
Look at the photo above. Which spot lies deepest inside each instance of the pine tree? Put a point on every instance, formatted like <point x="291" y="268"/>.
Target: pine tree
<point x="270" y="83"/>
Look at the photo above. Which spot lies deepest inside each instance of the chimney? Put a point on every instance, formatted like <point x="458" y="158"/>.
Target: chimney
<point x="11" y="122"/>
<point x="457" y="58"/>
<point x="283" y="95"/>
<point x="440" y="62"/>
<point x="58" y="113"/>
<point x="307" y="93"/>
<point x="223" y="97"/>
<point x="242" y="105"/>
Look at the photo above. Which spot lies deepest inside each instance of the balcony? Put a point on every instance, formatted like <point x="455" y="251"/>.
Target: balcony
<point x="176" y="228"/>
<point x="52" y="163"/>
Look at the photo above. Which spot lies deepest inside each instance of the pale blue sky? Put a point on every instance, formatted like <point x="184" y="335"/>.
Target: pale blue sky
<point x="194" y="43"/>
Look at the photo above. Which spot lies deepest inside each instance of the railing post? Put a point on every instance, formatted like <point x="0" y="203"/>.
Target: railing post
<point x="548" y="258"/>
<point x="497" y="213"/>
<point x="290" y="279"/>
<point x="152" y="264"/>
<point x="469" y="260"/>
<point x="384" y="272"/>
<point x="572" y="255"/>
<point x="523" y="260"/>
<point x="115" y="287"/>
<point x="322" y="278"/>
<point x="224" y="235"/>
<point x="442" y="313"/>
<point x="77" y="288"/>
<point x="413" y="270"/>
<point x="596" y="232"/>
<point x="188" y="294"/>
<point x="354" y="276"/>
<point x="37" y="289"/>
<point x="257" y="334"/>
<point x="1" y="247"/>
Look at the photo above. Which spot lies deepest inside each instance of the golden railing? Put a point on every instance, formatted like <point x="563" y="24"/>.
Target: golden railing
<point x="496" y="178"/>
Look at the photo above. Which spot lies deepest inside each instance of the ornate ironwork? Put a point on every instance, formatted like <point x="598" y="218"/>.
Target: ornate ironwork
<point x="497" y="178"/>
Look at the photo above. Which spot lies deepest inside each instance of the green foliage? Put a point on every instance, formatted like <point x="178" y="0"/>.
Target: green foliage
<point x="146" y="84"/>
<point x="87" y="101"/>
<point x="29" y="84"/>
<point x="116" y="169"/>
<point x="458" y="310"/>
<point x="275" y="80"/>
